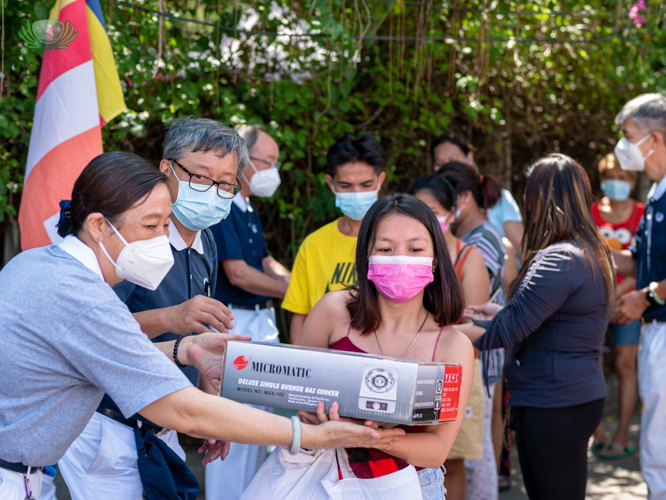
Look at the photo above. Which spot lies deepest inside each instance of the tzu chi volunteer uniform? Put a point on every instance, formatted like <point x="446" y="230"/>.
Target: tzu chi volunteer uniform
<point x="650" y="253"/>
<point x="67" y="341"/>
<point x="241" y="236"/>
<point x="194" y="272"/>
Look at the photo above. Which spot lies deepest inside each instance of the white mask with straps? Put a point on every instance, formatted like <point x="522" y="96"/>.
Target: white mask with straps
<point x="265" y="182"/>
<point x="142" y="262"/>
<point x="629" y="154"/>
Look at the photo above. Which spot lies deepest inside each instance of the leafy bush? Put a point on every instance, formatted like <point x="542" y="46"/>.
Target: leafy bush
<point x="520" y="79"/>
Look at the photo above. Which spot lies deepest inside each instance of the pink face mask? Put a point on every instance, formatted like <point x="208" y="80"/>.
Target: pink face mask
<point x="400" y="278"/>
<point x="443" y="224"/>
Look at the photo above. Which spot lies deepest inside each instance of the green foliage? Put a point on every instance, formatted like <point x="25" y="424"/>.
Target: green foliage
<point x="515" y="99"/>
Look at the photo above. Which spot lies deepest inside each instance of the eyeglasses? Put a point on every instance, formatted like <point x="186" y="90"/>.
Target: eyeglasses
<point x="202" y="184"/>
<point x="276" y="165"/>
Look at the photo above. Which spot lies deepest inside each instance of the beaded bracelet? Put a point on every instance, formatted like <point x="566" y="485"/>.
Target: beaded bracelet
<point x="175" y="351"/>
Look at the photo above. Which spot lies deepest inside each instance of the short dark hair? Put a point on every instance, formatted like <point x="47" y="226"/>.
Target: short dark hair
<point x="443" y="297"/>
<point x="486" y="189"/>
<point x="453" y="138"/>
<point x="349" y="149"/>
<point x="438" y="187"/>
<point x="110" y="184"/>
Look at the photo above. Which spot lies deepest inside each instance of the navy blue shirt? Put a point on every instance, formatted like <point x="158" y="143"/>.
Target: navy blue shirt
<point x="554" y="328"/>
<point x="194" y="272"/>
<point x="241" y="237"/>
<point x="650" y="248"/>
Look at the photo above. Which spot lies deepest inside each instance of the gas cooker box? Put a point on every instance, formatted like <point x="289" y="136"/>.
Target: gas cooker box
<point x="366" y="386"/>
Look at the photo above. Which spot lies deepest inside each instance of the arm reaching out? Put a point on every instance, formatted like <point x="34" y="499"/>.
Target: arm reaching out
<point x="543" y="289"/>
<point x="192" y="412"/>
<point x="624" y="263"/>
<point x="204" y="351"/>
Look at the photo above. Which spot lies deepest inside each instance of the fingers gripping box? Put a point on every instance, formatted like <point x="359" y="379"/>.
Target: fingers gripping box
<point x="366" y="386"/>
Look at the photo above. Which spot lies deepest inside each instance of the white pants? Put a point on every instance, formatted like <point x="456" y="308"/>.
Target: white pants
<point x="652" y="389"/>
<point x="48" y="488"/>
<point x="12" y="486"/>
<point x="482" y="474"/>
<point x="227" y="480"/>
<point x="102" y="464"/>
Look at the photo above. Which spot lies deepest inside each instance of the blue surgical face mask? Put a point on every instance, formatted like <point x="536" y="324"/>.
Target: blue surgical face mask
<point x="459" y="210"/>
<point x="616" y="190"/>
<point x="197" y="210"/>
<point x="355" y="205"/>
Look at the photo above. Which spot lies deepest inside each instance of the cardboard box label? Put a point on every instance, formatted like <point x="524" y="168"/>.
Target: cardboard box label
<point x="365" y="386"/>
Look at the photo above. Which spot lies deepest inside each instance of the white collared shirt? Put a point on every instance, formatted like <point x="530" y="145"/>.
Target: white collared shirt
<point x="240" y="202"/>
<point x="178" y="242"/>
<point x="81" y="252"/>
<point x="659" y="189"/>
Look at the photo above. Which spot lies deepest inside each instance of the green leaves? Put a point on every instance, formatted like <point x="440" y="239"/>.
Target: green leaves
<point x="506" y="87"/>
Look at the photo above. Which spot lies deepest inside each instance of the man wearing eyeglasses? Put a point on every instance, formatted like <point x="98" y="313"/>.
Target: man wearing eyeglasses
<point x="248" y="279"/>
<point x="203" y="160"/>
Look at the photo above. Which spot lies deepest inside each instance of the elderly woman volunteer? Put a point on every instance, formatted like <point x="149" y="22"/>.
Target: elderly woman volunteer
<point x="67" y="339"/>
<point x="202" y="160"/>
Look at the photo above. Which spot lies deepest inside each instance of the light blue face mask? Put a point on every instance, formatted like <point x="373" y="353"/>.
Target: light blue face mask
<point x="616" y="190"/>
<point x="355" y="205"/>
<point x="197" y="210"/>
<point x="459" y="210"/>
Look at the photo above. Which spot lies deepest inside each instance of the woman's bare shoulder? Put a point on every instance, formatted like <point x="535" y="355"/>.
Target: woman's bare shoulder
<point x="333" y="302"/>
<point x="331" y="309"/>
<point x="475" y="257"/>
<point x="454" y="346"/>
<point x="326" y="319"/>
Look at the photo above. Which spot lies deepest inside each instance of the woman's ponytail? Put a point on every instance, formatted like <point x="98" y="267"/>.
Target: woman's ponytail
<point x="491" y="191"/>
<point x="486" y="189"/>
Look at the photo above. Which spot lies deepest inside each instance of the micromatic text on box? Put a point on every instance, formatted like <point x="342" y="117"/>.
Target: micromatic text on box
<point x="365" y="386"/>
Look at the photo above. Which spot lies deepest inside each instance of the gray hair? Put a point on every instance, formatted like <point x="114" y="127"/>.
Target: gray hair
<point x="188" y="135"/>
<point x="648" y="111"/>
<point x="250" y="133"/>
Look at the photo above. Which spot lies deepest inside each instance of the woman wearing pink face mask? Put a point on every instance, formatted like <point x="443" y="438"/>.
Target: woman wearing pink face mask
<point x="408" y="297"/>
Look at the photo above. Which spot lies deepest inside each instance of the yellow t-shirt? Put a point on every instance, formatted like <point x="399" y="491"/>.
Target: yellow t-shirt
<point x="326" y="261"/>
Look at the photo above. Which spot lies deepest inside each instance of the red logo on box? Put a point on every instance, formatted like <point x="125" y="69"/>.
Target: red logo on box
<point x="240" y="362"/>
<point x="450" y="393"/>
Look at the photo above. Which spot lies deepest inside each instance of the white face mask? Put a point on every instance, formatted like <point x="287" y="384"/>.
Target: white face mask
<point x="264" y="183"/>
<point x="629" y="155"/>
<point x="142" y="262"/>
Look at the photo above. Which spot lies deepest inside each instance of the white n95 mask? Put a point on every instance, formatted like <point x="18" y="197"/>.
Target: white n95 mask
<point x="142" y="262"/>
<point x="629" y="154"/>
<point x="264" y="183"/>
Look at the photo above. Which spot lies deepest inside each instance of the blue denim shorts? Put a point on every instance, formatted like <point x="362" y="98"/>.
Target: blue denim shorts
<point x="432" y="484"/>
<point x="626" y="334"/>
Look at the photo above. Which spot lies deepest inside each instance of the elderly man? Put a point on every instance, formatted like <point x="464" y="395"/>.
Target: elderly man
<point x="643" y="122"/>
<point x="248" y="279"/>
<point x="203" y="160"/>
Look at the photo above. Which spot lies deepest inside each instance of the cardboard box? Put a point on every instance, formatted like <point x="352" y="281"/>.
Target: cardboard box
<point x="366" y="386"/>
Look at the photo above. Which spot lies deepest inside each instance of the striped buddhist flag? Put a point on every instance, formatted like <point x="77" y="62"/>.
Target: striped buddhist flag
<point x="79" y="91"/>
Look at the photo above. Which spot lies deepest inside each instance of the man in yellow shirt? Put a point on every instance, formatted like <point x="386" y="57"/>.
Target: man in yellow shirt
<point x="327" y="258"/>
